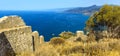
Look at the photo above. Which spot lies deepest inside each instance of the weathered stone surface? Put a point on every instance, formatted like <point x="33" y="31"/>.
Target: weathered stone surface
<point x="5" y="47"/>
<point x="42" y="39"/>
<point x="80" y="35"/>
<point x="7" y="22"/>
<point x="15" y="36"/>
<point x="20" y="39"/>
<point x="35" y="36"/>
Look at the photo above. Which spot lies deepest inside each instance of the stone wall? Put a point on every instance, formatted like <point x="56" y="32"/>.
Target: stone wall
<point x="5" y="46"/>
<point x="41" y="39"/>
<point x="35" y="37"/>
<point x="15" y="36"/>
<point x="20" y="38"/>
<point x="8" y="22"/>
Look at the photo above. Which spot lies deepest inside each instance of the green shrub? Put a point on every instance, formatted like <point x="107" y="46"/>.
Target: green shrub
<point x="57" y="41"/>
<point x="66" y="35"/>
<point x="106" y="19"/>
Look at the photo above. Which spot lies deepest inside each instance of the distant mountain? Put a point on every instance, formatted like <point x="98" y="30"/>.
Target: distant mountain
<point x="84" y="10"/>
<point x="59" y="9"/>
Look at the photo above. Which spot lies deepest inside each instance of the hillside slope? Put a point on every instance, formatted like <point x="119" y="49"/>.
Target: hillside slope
<point x="84" y="10"/>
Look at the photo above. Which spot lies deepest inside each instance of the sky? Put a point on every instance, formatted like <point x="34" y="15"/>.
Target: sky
<point x="51" y="4"/>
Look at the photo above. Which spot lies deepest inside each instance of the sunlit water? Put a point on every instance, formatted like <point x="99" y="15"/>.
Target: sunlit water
<point x="50" y="24"/>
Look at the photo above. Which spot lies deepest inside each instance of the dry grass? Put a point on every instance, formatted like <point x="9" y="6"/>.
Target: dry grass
<point x="104" y="47"/>
<point x="57" y="41"/>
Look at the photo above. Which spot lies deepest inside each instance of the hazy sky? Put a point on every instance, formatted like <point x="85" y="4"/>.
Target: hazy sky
<point x="50" y="4"/>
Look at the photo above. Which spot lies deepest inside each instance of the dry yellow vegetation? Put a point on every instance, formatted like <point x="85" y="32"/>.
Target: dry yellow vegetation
<point x="103" y="47"/>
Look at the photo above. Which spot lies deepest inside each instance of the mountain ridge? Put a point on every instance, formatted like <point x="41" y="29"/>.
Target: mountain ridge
<point x="84" y="10"/>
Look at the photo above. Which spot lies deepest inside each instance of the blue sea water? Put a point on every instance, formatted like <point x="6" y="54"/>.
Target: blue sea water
<point x="49" y="23"/>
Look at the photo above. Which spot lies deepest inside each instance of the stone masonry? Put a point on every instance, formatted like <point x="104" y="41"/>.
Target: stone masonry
<point x="35" y="37"/>
<point x="16" y="37"/>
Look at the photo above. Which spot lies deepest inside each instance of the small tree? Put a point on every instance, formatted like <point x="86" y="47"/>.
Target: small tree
<point x="108" y="18"/>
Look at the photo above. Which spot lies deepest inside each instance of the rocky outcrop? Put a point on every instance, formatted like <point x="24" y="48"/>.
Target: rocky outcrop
<point x="80" y="35"/>
<point x="16" y="37"/>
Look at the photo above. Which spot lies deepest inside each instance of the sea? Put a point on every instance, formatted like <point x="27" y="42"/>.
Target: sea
<point x="50" y="24"/>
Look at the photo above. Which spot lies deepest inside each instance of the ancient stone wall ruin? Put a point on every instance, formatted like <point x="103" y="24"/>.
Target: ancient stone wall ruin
<point x="35" y="37"/>
<point x="41" y="39"/>
<point x="16" y="37"/>
<point x="8" y="22"/>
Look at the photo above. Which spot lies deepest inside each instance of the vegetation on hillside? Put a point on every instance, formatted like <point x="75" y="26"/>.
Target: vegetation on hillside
<point x="104" y="47"/>
<point x="107" y="20"/>
<point x="66" y="35"/>
<point x="84" y="10"/>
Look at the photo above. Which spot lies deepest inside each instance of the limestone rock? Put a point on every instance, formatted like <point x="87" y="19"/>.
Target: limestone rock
<point x="20" y="39"/>
<point x="41" y="39"/>
<point x="80" y="35"/>
<point x="15" y="36"/>
<point x="5" y="46"/>
<point x="35" y="37"/>
<point x="7" y="22"/>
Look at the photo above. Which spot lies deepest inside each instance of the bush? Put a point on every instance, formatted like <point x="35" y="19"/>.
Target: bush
<point x="57" y="41"/>
<point x="66" y="35"/>
<point x="106" y="19"/>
